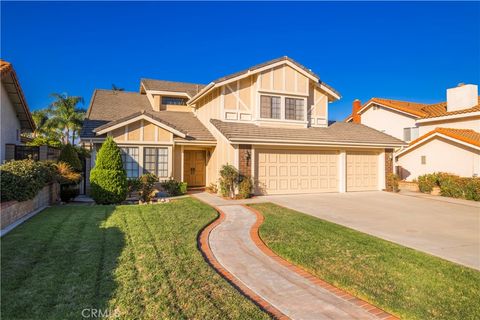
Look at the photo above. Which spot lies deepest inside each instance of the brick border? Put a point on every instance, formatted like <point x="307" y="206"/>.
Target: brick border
<point x="254" y="234"/>
<point x="207" y="253"/>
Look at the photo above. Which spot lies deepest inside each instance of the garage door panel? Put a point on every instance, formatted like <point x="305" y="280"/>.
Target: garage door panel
<point x="297" y="171"/>
<point x="362" y="171"/>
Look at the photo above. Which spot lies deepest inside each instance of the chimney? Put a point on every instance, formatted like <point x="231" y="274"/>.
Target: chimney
<point x="464" y="96"/>
<point x="356" y="106"/>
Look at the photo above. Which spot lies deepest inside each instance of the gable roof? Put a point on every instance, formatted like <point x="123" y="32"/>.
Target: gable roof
<point x="465" y="136"/>
<point x="257" y="68"/>
<point x="190" y="89"/>
<point x="337" y="133"/>
<point x="108" y="108"/>
<point x="15" y="94"/>
<point x="418" y="110"/>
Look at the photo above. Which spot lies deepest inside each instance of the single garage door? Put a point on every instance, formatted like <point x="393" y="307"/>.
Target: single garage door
<point x="294" y="171"/>
<point x="362" y="171"/>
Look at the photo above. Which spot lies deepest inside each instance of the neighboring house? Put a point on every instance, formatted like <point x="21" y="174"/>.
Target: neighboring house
<point x="269" y="121"/>
<point x="15" y="115"/>
<point x="442" y="137"/>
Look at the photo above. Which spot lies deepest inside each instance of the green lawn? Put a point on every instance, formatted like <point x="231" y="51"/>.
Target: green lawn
<point x="137" y="262"/>
<point x="406" y="282"/>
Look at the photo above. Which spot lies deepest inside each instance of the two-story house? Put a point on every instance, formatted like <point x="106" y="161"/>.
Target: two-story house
<point x="269" y="121"/>
<point x="442" y="137"/>
<point x="15" y="115"/>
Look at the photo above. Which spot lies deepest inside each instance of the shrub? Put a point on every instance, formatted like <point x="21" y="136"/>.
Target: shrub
<point x="66" y="175"/>
<point x="69" y="155"/>
<point x="450" y="185"/>
<point x="427" y="182"/>
<point x="472" y="189"/>
<point x="22" y="180"/>
<point x="68" y="192"/>
<point x="133" y="185"/>
<point x="108" y="179"/>
<point x="173" y="187"/>
<point x="393" y="181"/>
<point x="147" y="187"/>
<point x="228" y="180"/>
<point x="245" y="187"/>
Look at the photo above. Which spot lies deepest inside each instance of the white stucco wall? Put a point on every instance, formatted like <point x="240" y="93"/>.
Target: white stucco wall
<point x="441" y="155"/>
<point x="469" y="123"/>
<point x="387" y="120"/>
<point x="9" y="124"/>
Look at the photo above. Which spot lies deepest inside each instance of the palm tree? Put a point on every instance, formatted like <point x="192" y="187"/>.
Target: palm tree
<point x="115" y="88"/>
<point x="66" y="115"/>
<point x="40" y="117"/>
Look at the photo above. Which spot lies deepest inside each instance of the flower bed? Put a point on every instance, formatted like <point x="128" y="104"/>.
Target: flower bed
<point x="450" y="185"/>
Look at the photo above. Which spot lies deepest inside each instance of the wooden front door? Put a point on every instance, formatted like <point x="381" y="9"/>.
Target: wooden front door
<point x="194" y="168"/>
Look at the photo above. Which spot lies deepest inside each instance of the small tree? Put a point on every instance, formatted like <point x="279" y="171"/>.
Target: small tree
<point x="228" y="180"/>
<point x="69" y="155"/>
<point x="108" y="179"/>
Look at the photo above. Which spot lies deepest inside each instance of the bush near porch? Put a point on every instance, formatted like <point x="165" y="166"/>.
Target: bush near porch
<point x="450" y="185"/>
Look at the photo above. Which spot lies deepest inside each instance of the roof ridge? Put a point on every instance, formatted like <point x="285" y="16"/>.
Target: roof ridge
<point x="173" y="81"/>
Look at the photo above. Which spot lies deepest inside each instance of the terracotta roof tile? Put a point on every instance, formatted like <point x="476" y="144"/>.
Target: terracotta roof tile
<point x="422" y="110"/>
<point x="465" y="135"/>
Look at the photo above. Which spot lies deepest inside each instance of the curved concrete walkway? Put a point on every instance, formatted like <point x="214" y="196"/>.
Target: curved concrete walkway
<point x="290" y="293"/>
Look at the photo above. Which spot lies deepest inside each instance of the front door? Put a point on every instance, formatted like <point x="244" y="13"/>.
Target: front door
<point x="194" y="168"/>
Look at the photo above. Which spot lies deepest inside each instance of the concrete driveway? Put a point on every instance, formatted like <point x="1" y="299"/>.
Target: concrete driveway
<point x="447" y="229"/>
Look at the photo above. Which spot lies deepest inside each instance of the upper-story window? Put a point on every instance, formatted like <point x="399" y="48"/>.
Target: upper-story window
<point x="174" y="100"/>
<point x="270" y="107"/>
<point x="294" y="109"/>
<point x="410" y="134"/>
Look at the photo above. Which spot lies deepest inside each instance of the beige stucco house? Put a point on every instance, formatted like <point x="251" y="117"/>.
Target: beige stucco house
<point x="270" y="121"/>
<point x="443" y="137"/>
<point x="15" y="115"/>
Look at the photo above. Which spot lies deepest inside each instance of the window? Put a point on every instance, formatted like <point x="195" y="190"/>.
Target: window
<point x="130" y="161"/>
<point x="270" y="107"/>
<point x="174" y="100"/>
<point x="155" y="161"/>
<point x="294" y="109"/>
<point x="410" y="134"/>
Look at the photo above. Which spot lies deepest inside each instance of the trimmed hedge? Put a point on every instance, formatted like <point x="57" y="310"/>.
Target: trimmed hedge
<point x="450" y="185"/>
<point x="21" y="180"/>
<point x="173" y="187"/>
<point x="69" y="155"/>
<point x="108" y="179"/>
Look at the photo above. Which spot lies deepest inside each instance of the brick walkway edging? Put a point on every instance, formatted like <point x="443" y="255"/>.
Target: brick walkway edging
<point x="254" y="234"/>
<point x="205" y="249"/>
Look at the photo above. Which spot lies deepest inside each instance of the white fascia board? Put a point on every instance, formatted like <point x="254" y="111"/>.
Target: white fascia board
<point x="453" y="116"/>
<point x="431" y="137"/>
<point x="314" y="143"/>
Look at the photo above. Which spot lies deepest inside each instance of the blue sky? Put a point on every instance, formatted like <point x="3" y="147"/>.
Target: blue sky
<point x="411" y="51"/>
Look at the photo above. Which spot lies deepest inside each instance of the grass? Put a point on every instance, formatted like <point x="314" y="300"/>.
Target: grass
<point x="403" y="281"/>
<point x="136" y="262"/>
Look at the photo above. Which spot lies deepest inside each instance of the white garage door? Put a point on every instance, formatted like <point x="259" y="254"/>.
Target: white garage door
<point x="294" y="171"/>
<point x="362" y="171"/>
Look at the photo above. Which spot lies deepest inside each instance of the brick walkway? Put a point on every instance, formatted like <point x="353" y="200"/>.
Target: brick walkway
<point x="233" y="247"/>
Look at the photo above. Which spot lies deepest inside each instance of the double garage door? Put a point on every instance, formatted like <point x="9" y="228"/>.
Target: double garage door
<point x="298" y="171"/>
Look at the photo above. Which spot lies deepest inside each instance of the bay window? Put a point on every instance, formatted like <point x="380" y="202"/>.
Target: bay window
<point x="130" y="161"/>
<point x="155" y="161"/>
